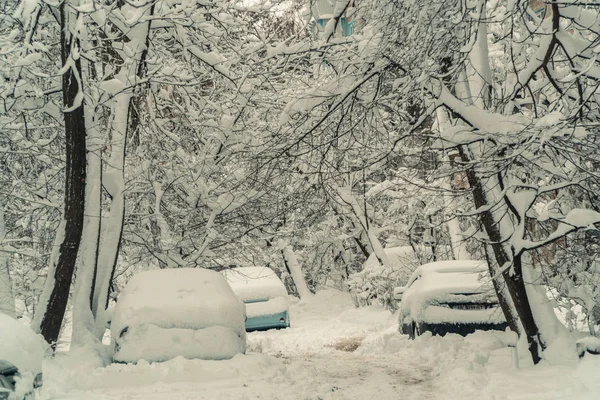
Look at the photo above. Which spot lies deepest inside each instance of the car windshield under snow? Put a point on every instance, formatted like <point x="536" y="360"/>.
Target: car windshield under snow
<point x="255" y="284"/>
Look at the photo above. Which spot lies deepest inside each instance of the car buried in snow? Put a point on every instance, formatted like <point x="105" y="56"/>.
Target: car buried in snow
<point x="449" y="297"/>
<point x="165" y="313"/>
<point x="21" y="355"/>
<point x="264" y="295"/>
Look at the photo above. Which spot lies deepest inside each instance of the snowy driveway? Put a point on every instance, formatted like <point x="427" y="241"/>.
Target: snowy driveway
<point x="332" y="351"/>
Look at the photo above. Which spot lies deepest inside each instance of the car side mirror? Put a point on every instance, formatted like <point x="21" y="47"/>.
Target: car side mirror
<point x="398" y="292"/>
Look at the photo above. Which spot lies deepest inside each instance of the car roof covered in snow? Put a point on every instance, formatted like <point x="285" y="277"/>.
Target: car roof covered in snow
<point x="255" y="283"/>
<point x="20" y="346"/>
<point x="444" y="280"/>
<point x="189" y="298"/>
<point x="448" y="267"/>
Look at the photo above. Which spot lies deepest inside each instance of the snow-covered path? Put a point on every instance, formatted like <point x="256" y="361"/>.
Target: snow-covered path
<point x="332" y="351"/>
<point x="318" y="358"/>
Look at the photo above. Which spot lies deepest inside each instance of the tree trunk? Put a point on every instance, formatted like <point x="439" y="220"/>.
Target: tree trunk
<point x="360" y="214"/>
<point x="112" y="224"/>
<point x="291" y="261"/>
<point x="84" y="331"/>
<point x="512" y="277"/>
<point x="53" y="312"/>
<point x="495" y="219"/>
<point x="114" y="177"/>
<point x="7" y="299"/>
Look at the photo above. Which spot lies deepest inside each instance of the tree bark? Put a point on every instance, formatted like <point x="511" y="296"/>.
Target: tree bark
<point x="75" y="170"/>
<point x="84" y="331"/>
<point x="125" y="118"/>
<point x="291" y="262"/>
<point x="513" y="277"/>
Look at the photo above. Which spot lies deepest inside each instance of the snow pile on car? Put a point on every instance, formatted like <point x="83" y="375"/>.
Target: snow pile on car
<point x="255" y="283"/>
<point x="165" y="313"/>
<point x="271" y="307"/>
<point x="20" y="345"/>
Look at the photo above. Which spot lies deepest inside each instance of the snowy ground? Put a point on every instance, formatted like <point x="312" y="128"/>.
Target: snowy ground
<point x="333" y="351"/>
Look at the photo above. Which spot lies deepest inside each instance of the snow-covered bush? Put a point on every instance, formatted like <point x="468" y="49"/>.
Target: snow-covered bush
<point x="376" y="282"/>
<point x="573" y="271"/>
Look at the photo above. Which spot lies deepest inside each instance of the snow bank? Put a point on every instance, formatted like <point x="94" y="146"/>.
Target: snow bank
<point x="255" y="283"/>
<point x="458" y="364"/>
<point x="589" y="344"/>
<point x="165" y="313"/>
<point x="324" y="302"/>
<point x="20" y="345"/>
<point x="320" y="322"/>
<point x="63" y="377"/>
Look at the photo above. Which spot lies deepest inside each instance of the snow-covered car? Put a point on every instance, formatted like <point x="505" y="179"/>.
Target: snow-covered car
<point x="165" y="313"/>
<point x="21" y="355"/>
<point x="264" y="294"/>
<point x="449" y="297"/>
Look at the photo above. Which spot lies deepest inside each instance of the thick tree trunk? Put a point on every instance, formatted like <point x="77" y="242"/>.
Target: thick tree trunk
<point x="84" y="331"/>
<point x="513" y="276"/>
<point x="112" y="225"/>
<point x="75" y="170"/>
<point x="114" y="177"/>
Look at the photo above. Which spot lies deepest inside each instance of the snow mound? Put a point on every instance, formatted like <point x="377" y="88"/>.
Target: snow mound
<point x="20" y="345"/>
<point x="588" y="344"/>
<point x="587" y="372"/>
<point x="459" y="364"/>
<point x="320" y="323"/>
<point x="255" y="283"/>
<point x="63" y="377"/>
<point x="324" y="302"/>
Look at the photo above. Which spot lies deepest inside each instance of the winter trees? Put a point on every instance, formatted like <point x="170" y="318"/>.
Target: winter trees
<point x="206" y="134"/>
<point x="512" y="88"/>
<point x="519" y="85"/>
<point x="126" y="72"/>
